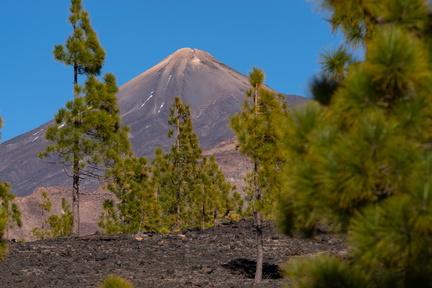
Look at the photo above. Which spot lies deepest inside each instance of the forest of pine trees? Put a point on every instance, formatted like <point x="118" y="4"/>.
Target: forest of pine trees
<point x="179" y="189"/>
<point x="357" y="160"/>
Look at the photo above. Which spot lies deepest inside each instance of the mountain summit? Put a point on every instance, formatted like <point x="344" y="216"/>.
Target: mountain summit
<point x="214" y="90"/>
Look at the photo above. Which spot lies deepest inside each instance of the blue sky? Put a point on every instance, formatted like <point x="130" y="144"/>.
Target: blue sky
<point x="284" y="37"/>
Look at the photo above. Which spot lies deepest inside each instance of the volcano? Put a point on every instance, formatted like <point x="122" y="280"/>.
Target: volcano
<point x="214" y="91"/>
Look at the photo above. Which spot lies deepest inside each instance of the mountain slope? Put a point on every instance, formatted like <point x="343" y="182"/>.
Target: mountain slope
<point x="214" y="90"/>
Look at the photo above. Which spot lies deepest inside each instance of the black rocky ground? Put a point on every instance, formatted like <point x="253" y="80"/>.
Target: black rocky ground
<point x="221" y="256"/>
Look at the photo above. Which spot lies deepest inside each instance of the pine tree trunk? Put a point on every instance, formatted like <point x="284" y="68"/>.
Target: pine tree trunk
<point x="260" y="248"/>
<point x="42" y="218"/>
<point x="75" y="80"/>
<point x="258" y="223"/>
<point x="203" y="210"/>
<point x="203" y="217"/>
<point x="75" y="200"/>
<point x="214" y="217"/>
<point x="178" y="220"/>
<point x="179" y="192"/>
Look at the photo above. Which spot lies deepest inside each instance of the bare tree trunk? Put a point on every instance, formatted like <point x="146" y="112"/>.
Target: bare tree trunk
<point x="214" y="217"/>
<point x="260" y="248"/>
<point x="178" y="220"/>
<point x="258" y="223"/>
<point x="75" y="200"/>
<point x="203" y="210"/>
<point x="203" y="218"/>
<point x="75" y="176"/>
<point x="75" y="80"/>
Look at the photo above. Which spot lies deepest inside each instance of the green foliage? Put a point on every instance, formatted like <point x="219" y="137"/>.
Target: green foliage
<point x="136" y="208"/>
<point x="358" y="20"/>
<point x="325" y="271"/>
<point x="9" y="214"/>
<point x="109" y="220"/>
<point x="334" y="68"/>
<point x="11" y="209"/>
<point x="3" y="228"/>
<point x="214" y="196"/>
<point x="82" y="49"/>
<point x="191" y="189"/>
<point x="55" y="225"/>
<point x="115" y="281"/>
<point x="395" y="236"/>
<point x="390" y="245"/>
<point x="334" y="64"/>
<point x="322" y="88"/>
<point x="362" y="164"/>
<point x="177" y="170"/>
<point x="87" y="136"/>
<point x="257" y="128"/>
<point x="46" y="205"/>
<point x="88" y="130"/>
<point x="397" y="63"/>
<point x="360" y="151"/>
<point x="181" y="188"/>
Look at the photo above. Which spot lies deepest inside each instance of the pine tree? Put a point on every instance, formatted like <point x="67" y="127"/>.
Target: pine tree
<point x="257" y="131"/>
<point x="136" y="208"/>
<point x="191" y="189"/>
<point x="362" y="164"/>
<point x="82" y="50"/>
<point x="359" y="20"/>
<point x="87" y="134"/>
<point x="214" y="197"/>
<point x="9" y="212"/>
<point x="180" y="168"/>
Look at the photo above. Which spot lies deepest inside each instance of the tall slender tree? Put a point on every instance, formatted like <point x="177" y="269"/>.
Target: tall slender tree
<point x="191" y="189"/>
<point x="82" y="50"/>
<point x="87" y="134"/>
<point x="178" y="168"/>
<point x="257" y="131"/>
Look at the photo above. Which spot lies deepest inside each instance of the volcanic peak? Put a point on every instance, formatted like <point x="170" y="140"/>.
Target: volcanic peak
<point x="186" y="56"/>
<point x="187" y="53"/>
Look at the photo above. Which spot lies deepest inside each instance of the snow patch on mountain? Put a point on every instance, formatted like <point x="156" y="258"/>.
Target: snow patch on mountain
<point x="151" y="95"/>
<point x="161" y="107"/>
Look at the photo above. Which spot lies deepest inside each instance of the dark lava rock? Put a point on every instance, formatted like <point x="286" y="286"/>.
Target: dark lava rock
<point x="222" y="256"/>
